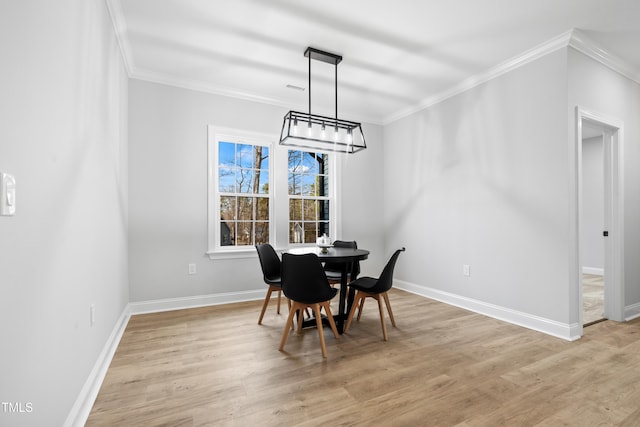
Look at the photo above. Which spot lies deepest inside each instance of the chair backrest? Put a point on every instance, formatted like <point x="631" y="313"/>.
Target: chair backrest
<point x="304" y="280"/>
<point x="338" y="267"/>
<point x="269" y="262"/>
<point x="385" y="281"/>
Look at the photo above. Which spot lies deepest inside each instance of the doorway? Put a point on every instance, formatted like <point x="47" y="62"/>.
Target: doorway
<point x="591" y="233"/>
<point x="599" y="154"/>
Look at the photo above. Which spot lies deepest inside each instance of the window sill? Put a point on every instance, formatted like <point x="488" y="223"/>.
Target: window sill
<point x="233" y="254"/>
<point x="249" y="252"/>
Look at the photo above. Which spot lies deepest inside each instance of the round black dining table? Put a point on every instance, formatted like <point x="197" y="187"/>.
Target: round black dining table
<point x="347" y="258"/>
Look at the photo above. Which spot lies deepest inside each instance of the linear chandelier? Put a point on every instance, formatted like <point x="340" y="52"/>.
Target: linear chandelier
<point x="322" y="133"/>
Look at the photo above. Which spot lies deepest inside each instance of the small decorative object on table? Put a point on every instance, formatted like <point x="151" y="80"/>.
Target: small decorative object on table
<point x="324" y="243"/>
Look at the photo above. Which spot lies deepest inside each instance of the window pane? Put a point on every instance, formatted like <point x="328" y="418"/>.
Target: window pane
<point x="227" y="180"/>
<point x="227" y="233"/>
<point x="226" y="154"/>
<point x="323" y="228"/>
<point x="323" y="163"/>
<point x="227" y="207"/>
<point x="262" y="209"/>
<point x="310" y="212"/>
<point x="261" y="181"/>
<point x="245" y="208"/>
<point x="262" y="233"/>
<point x="309" y="163"/>
<point x="244" y="180"/>
<point x="310" y="233"/>
<point x="261" y="159"/>
<point x="295" y="161"/>
<point x="323" y="210"/>
<point x="295" y="232"/>
<point x="295" y="184"/>
<point x="245" y="232"/>
<point x="307" y="184"/>
<point x="295" y="209"/>
<point x="244" y="155"/>
<point x="322" y="186"/>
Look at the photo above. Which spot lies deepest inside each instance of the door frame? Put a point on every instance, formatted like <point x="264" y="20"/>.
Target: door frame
<point x="613" y="144"/>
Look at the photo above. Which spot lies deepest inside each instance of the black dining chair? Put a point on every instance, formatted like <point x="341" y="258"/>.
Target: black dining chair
<point x="305" y="284"/>
<point x="369" y="287"/>
<point x="334" y="270"/>
<point x="271" y="266"/>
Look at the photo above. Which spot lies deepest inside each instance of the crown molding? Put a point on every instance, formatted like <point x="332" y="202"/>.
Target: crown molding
<point x="573" y="38"/>
<point x="582" y="43"/>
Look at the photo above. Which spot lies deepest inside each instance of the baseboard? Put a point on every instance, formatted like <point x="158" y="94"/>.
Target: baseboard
<point x="632" y="312"/>
<point x="84" y="402"/>
<point x="169" y="304"/>
<point x="569" y="332"/>
<point x="593" y="270"/>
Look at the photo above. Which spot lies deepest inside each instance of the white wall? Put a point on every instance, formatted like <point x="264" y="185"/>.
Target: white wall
<point x="597" y="88"/>
<point x="592" y="244"/>
<point x="63" y="111"/>
<point x="481" y="179"/>
<point x="168" y="192"/>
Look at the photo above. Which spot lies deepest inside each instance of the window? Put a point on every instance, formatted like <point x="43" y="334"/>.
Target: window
<point x="308" y="183"/>
<point x="260" y="192"/>
<point x="239" y="200"/>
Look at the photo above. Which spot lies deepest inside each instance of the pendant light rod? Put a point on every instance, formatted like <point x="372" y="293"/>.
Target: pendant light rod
<point x="336" y="88"/>
<point x="309" y="82"/>
<point x="329" y="58"/>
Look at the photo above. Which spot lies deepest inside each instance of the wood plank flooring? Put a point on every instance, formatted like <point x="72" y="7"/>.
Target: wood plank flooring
<point x="442" y="366"/>
<point x="592" y="298"/>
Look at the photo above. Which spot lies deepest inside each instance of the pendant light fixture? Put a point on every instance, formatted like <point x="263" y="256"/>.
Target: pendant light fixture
<point x="322" y="133"/>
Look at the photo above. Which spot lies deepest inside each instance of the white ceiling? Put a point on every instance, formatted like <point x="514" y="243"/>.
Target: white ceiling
<point x="397" y="54"/>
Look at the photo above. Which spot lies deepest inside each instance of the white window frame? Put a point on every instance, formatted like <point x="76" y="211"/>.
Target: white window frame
<point x="278" y="184"/>
<point x="331" y="197"/>
<point x="216" y="134"/>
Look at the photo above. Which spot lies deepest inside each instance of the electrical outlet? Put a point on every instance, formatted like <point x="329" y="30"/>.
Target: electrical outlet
<point x="466" y="270"/>
<point x="192" y="269"/>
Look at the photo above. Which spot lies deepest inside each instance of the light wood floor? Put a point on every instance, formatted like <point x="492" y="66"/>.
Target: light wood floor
<point x="592" y="298"/>
<point x="442" y="366"/>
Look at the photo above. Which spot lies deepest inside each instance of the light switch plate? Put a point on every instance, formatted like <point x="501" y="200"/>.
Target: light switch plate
<point x="7" y="194"/>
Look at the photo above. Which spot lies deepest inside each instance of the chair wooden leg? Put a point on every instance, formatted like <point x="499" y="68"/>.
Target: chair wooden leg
<point x="266" y="303"/>
<point x="384" y="327"/>
<point x="353" y="311"/>
<point x="360" y="308"/>
<point x="386" y="301"/>
<point x="300" y="319"/>
<point x="332" y="322"/>
<point x="316" y="310"/>
<point x="287" y="326"/>
<point x="279" y="298"/>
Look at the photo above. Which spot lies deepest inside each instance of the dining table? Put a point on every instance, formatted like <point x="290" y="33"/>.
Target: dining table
<point x="347" y="259"/>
